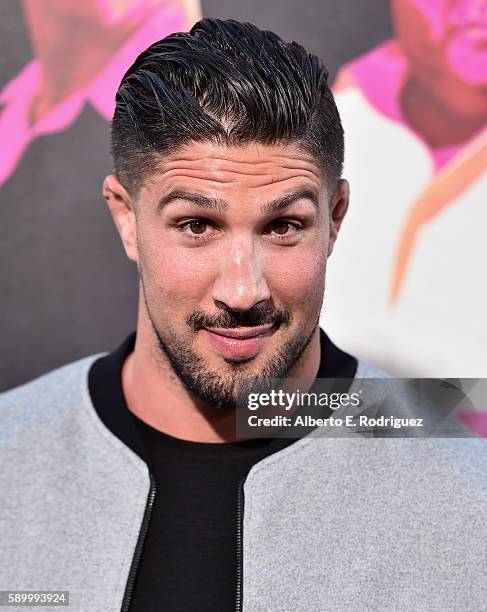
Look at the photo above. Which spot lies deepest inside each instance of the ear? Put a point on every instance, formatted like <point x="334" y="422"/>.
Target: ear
<point x="338" y="209"/>
<point x="121" y="208"/>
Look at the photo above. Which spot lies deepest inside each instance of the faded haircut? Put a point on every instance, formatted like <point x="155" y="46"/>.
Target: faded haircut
<point x="226" y="82"/>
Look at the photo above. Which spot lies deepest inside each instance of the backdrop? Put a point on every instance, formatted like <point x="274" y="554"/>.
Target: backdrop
<point x="406" y="286"/>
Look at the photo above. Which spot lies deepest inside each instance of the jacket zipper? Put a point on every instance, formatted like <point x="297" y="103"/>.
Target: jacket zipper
<point x="129" y="589"/>
<point x="240" y="506"/>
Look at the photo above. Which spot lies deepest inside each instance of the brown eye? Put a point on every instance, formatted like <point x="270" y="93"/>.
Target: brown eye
<point x="198" y="227"/>
<point x="281" y="227"/>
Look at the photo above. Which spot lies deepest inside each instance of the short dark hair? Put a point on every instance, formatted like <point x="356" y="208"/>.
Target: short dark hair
<point x="227" y="82"/>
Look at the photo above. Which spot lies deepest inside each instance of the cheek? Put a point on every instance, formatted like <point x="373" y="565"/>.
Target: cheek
<point x="419" y="25"/>
<point x="180" y="277"/>
<point x="296" y="279"/>
<point x="432" y="12"/>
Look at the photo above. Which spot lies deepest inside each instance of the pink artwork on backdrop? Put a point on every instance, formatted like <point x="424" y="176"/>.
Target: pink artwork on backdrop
<point x="82" y="50"/>
<point x="476" y="421"/>
<point x="432" y="79"/>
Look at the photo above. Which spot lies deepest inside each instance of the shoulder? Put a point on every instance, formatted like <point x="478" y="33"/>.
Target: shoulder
<point x="40" y="404"/>
<point x="366" y="370"/>
<point x="454" y="460"/>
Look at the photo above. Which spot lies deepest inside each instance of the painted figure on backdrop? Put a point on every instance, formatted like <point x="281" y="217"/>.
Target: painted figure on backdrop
<point x="81" y="51"/>
<point x="416" y="109"/>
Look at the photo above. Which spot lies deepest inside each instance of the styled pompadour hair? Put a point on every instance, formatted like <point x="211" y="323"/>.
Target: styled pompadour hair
<point x="226" y="82"/>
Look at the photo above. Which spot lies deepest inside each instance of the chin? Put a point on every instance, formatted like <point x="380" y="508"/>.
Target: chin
<point x="245" y="365"/>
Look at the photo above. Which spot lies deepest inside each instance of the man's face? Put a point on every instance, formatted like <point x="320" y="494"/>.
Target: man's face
<point x="445" y="36"/>
<point x="232" y="246"/>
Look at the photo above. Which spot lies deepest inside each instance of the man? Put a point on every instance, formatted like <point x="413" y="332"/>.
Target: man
<point x="96" y="38"/>
<point x="417" y="107"/>
<point x="124" y="480"/>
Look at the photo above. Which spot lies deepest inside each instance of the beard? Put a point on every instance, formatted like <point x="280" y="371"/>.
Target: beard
<point x="226" y="391"/>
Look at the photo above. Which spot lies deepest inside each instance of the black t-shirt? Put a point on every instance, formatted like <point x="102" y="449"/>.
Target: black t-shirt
<point x="189" y="560"/>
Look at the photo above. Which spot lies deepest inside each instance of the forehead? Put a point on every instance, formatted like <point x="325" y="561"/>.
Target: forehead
<point x="252" y="169"/>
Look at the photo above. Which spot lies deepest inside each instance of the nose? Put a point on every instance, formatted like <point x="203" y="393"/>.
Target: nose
<point x="240" y="283"/>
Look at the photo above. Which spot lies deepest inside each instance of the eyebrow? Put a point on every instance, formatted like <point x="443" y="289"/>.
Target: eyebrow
<point x="283" y="202"/>
<point x="194" y="198"/>
<point x="220" y="205"/>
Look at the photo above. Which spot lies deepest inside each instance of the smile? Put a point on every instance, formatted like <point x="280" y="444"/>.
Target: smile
<point x="241" y="343"/>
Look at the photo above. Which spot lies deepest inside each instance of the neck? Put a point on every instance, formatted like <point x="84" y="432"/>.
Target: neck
<point x="156" y="395"/>
<point x="440" y="124"/>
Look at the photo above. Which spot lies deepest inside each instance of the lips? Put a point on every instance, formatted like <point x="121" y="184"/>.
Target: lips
<point x="467" y="56"/>
<point x="241" y="343"/>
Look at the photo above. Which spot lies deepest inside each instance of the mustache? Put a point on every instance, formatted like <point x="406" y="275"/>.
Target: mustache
<point x="230" y="319"/>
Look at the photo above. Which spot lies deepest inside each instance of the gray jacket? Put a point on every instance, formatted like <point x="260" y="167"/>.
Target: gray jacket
<point x="343" y="522"/>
